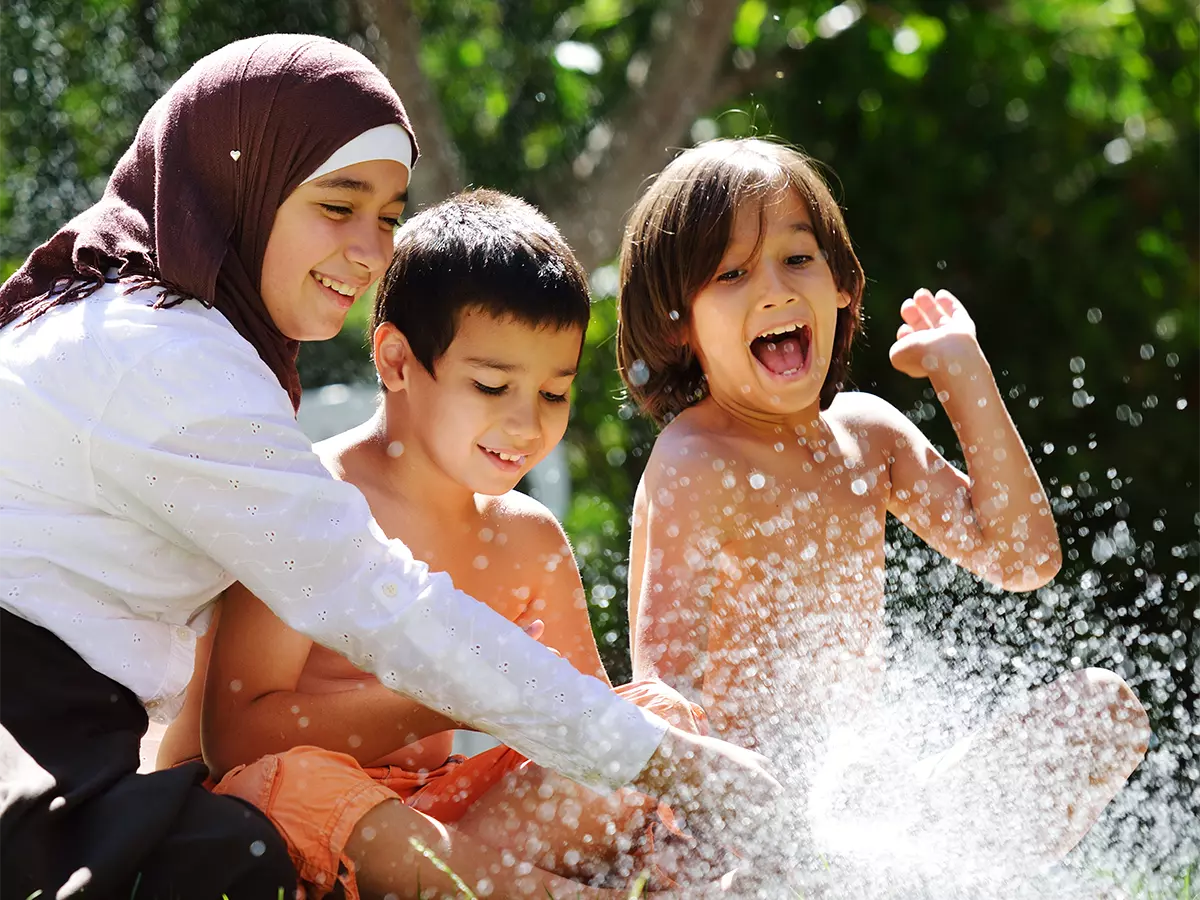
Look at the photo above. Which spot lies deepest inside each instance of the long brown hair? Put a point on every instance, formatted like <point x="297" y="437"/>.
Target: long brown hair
<point x="677" y="233"/>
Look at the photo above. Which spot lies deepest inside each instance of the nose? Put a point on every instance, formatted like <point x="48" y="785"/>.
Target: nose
<point x="370" y="247"/>
<point x="775" y="291"/>
<point x="522" y="422"/>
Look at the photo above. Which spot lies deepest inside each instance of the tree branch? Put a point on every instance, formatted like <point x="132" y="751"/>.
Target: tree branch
<point x="441" y="169"/>
<point x="589" y="202"/>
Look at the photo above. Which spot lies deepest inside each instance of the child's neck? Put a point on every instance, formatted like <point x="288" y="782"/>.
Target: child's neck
<point x="766" y="423"/>
<point x="400" y="468"/>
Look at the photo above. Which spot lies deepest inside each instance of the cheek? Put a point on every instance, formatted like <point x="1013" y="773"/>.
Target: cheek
<point x="554" y="423"/>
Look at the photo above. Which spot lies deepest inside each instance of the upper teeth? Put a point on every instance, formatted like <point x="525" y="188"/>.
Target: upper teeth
<point x="782" y="329"/>
<point x="509" y="457"/>
<point x="344" y="289"/>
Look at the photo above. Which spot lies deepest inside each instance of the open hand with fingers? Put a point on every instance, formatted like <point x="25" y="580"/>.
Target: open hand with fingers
<point x="937" y="331"/>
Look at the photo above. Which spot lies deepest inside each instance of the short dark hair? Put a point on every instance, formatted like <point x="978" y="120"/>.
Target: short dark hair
<point x="677" y="233"/>
<point x="479" y="250"/>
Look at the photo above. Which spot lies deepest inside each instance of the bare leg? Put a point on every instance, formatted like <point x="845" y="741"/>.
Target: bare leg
<point x="401" y="854"/>
<point x="558" y="825"/>
<point x="1027" y="787"/>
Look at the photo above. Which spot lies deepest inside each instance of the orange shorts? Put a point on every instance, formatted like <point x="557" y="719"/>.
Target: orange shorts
<point x="316" y="797"/>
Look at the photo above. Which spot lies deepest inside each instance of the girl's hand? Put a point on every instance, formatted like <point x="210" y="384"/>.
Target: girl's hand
<point x="936" y="332"/>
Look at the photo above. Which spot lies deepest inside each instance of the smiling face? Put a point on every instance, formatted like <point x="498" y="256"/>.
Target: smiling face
<point x="496" y="403"/>
<point x="332" y="238"/>
<point x="763" y="327"/>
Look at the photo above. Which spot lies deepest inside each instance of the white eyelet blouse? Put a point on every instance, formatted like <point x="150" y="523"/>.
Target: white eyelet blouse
<point x="149" y="458"/>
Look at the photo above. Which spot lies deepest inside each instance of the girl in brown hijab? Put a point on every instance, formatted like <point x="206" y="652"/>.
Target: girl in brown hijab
<point x="150" y="457"/>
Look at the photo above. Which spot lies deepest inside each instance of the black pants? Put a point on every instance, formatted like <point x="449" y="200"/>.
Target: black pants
<point x="76" y="819"/>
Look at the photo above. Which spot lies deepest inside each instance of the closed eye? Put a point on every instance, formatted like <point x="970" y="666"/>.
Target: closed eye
<point x="390" y="221"/>
<point x="335" y="210"/>
<point x="489" y="390"/>
<point x="554" y="398"/>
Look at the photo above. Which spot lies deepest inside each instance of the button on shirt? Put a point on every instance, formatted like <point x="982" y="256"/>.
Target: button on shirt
<point x="149" y="459"/>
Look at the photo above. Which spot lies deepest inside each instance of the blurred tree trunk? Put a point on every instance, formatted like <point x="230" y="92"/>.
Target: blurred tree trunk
<point x="589" y="198"/>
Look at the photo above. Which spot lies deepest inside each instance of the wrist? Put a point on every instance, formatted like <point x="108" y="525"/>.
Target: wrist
<point x="959" y="359"/>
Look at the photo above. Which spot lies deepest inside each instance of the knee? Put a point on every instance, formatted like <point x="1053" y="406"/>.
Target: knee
<point x="1105" y="698"/>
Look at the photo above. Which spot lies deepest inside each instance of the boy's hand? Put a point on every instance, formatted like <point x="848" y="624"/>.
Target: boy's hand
<point x="723" y="794"/>
<point x="936" y="332"/>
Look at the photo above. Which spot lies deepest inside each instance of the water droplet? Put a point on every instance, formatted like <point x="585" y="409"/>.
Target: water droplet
<point x="235" y="685"/>
<point x="1077" y="364"/>
<point x="858" y="486"/>
<point x="674" y="315"/>
<point x="258" y="848"/>
<point x="1094" y="315"/>
<point x="779" y="446"/>
<point x="395" y="449"/>
<point x="480" y="562"/>
<point x="941" y="264"/>
<point x="757" y="481"/>
<point x="639" y="373"/>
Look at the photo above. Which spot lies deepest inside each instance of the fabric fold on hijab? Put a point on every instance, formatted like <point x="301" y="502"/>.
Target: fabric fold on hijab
<point x="190" y="205"/>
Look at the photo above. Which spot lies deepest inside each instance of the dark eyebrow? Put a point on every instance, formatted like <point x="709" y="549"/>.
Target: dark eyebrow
<point x="499" y="366"/>
<point x="804" y="226"/>
<point x="342" y="183"/>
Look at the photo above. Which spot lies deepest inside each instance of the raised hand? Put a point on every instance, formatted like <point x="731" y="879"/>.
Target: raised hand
<point x="936" y="331"/>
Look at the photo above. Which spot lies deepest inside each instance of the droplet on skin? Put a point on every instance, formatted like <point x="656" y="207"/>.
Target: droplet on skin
<point x="302" y="721"/>
<point x="395" y="449"/>
<point x="235" y="685"/>
<point x="480" y="562"/>
<point x="779" y="447"/>
<point x="757" y="481"/>
<point x="354" y="741"/>
<point x="858" y="486"/>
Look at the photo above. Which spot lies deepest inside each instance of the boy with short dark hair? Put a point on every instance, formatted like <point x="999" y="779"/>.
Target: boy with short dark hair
<point x="479" y="327"/>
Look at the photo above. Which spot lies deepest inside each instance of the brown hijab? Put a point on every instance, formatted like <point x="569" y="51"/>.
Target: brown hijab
<point x="190" y="205"/>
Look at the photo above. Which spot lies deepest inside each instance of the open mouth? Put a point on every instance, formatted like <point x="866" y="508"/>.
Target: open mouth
<point x="784" y="351"/>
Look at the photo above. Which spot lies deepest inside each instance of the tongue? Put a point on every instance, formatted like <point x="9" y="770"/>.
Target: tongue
<point x="779" y="356"/>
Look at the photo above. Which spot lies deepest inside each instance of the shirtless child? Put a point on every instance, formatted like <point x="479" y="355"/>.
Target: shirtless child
<point x="479" y="325"/>
<point x="757" y="565"/>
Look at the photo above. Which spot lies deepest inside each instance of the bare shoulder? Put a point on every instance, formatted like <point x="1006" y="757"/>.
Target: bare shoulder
<point x="337" y="453"/>
<point x="524" y="520"/>
<point x="867" y="416"/>
<point x="686" y="449"/>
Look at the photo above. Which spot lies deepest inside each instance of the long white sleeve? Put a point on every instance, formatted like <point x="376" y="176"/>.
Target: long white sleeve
<point x="196" y="455"/>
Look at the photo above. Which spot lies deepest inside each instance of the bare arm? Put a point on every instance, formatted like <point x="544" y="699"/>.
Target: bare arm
<point x="252" y="708"/>
<point x="995" y="519"/>
<point x="560" y="601"/>
<point x="679" y="535"/>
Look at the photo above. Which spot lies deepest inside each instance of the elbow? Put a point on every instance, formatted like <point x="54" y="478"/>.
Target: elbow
<point x="1025" y="574"/>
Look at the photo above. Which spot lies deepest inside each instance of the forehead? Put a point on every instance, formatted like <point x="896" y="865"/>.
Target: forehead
<point x="782" y="208"/>
<point x="384" y="180"/>
<point x="479" y="334"/>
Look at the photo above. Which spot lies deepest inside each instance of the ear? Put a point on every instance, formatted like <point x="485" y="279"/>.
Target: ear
<point x="843" y="300"/>
<point x="393" y="356"/>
